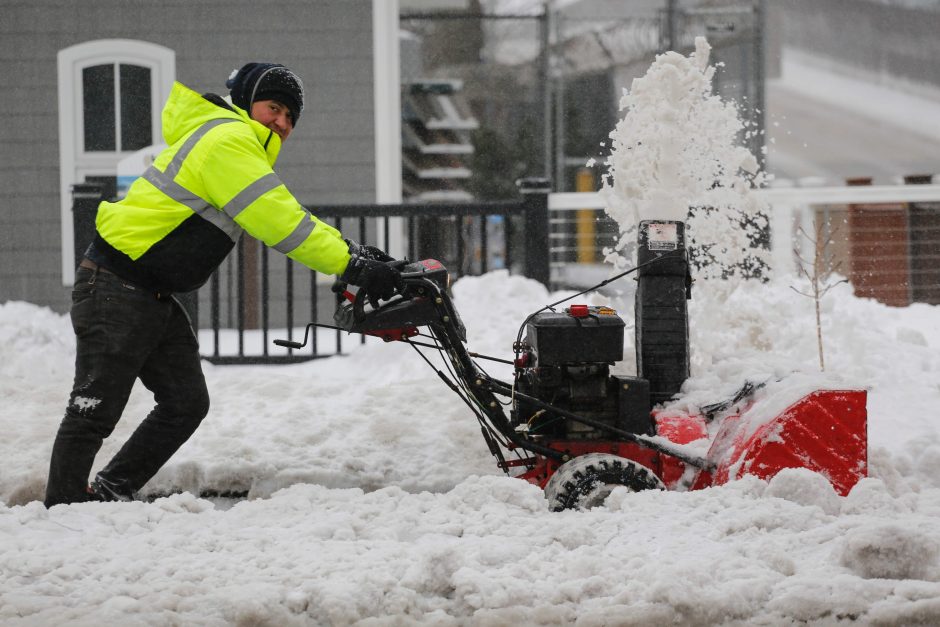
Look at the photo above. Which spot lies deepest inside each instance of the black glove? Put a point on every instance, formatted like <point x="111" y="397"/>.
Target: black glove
<point x="379" y="280"/>
<point x="374" y="253"/>
<point x="369" y="252"/>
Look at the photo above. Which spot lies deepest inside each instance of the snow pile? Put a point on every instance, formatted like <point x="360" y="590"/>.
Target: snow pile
<point x="483" y="553"/>
<point x="503" y="296"/>
<point x="381" y="503"/>
<point x="677" y="147"/>
<point x="890" y="552"/>
<point x="31" y="337"/>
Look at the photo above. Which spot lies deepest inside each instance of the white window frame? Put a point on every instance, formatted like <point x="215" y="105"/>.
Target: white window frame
<point x="386" y="92"/>
<point x="73" y="160"/>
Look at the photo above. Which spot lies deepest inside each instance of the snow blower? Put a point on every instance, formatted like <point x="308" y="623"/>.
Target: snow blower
<point x="578" y="431"/>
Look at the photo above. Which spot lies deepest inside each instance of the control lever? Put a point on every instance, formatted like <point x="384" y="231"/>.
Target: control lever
<point x="292" y="344"/>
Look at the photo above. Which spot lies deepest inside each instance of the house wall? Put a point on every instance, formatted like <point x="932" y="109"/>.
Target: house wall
<point x="878" y="39"/>
<point x="329" y="158"/>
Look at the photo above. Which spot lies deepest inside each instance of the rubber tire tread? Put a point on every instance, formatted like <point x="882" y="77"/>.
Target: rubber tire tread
<point x="577" y="478"/>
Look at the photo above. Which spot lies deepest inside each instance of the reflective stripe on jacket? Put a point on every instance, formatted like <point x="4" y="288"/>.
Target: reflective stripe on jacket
<point x="183" y="216"/>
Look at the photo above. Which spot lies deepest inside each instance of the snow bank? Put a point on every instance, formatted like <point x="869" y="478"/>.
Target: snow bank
<point x="381" y="501"/>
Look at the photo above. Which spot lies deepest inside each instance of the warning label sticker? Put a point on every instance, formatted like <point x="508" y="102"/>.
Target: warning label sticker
<point x="662" y="236"/>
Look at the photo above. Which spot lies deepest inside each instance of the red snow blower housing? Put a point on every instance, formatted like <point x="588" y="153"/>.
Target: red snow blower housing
<point x="577" y="430"/>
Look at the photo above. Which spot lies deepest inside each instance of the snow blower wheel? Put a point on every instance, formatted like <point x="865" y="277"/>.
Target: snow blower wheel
<point x="586" y="481"/>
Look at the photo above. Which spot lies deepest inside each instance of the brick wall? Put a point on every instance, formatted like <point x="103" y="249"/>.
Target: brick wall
<point x="880" y="251"/>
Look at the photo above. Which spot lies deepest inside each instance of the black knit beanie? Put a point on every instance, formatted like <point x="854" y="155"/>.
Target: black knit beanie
<point x="267" y="81"/>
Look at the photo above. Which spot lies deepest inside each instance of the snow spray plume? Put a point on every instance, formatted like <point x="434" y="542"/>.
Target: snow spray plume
<point x="675" y="156"/>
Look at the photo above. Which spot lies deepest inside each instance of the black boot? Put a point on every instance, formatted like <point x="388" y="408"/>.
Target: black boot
<point x="103" y="489"/>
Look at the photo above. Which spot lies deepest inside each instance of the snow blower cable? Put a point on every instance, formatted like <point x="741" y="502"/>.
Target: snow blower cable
<point x="490" y="433"/>
<point x="471" y="353"/>
<point x="452" y="381"/>
<point x="493" y="435"/>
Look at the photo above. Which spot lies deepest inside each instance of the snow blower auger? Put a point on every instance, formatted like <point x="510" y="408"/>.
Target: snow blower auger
<point x="578" y="431"/>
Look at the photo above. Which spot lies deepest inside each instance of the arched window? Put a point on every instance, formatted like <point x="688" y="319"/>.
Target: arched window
<point x="111" y="92"/>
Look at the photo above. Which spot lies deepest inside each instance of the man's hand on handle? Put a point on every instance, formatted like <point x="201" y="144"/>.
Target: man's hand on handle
<point x="374" y="271"/>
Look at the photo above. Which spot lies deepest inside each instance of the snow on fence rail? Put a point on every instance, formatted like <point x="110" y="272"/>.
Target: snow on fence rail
<point x="885" y="238"/>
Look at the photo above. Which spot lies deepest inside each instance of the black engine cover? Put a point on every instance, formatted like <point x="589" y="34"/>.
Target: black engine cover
<point x="570" y="355"/>
<point x="559" y="338"/>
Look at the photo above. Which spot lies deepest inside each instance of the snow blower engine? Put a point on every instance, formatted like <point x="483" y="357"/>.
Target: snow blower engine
<point x="565" y="360"/>
<point x="577" y="430"/>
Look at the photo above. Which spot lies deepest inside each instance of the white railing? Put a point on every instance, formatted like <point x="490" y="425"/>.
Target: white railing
<point x="789" y="208"/>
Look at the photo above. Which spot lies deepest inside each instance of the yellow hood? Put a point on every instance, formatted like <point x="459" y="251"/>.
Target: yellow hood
<point x="186" y="110"/>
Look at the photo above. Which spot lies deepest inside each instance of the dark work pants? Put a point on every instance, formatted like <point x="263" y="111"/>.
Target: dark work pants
<point x="124" y="332"/>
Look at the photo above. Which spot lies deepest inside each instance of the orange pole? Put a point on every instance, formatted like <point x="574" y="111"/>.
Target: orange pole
<point x="586" y="235"/>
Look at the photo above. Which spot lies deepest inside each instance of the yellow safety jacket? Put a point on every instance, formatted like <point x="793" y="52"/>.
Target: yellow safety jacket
<point x="183" y="216"/>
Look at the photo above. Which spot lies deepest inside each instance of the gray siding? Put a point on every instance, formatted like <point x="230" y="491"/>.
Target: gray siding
<point x="329" y="158"/>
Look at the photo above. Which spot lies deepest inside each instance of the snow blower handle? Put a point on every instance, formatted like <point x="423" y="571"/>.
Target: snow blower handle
<point x="291" y="343"/>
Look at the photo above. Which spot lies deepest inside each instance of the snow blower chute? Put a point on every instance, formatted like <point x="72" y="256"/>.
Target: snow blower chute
<point x="578" y="431"/>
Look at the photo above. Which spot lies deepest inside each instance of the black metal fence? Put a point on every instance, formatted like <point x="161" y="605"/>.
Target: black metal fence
<point x="257" y="296"/>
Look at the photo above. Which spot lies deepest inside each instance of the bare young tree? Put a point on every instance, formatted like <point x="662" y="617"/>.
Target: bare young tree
<point x="817" y="273"/>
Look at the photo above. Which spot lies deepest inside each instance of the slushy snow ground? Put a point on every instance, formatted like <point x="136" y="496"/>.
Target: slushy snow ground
<point x="374" y="501"/>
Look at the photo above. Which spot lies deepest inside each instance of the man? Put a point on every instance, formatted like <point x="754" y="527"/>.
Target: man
<point x="172" y="230"/>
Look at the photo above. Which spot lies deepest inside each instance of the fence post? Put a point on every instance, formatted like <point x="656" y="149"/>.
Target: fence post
<point x="85" y="200"/>
<point x="924" y="222"/>
<point x="535" y="215"/>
